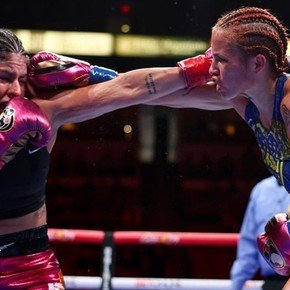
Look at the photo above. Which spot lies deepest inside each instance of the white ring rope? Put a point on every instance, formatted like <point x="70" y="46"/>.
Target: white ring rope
<point x="124" y="283"/>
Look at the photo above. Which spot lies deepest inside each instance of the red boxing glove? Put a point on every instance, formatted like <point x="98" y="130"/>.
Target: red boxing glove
<point x="274" y="244"/>
<point x="48" y="70"/>
<point x="196" y="69"/>
<point x="21" y="121"/>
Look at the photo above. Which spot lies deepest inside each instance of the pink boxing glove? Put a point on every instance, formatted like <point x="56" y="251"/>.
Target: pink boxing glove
<point x="196" y="69"/>
<point x="21" y="121"/>
<point x="48" y="70"/>
<point x="274" y="244"/>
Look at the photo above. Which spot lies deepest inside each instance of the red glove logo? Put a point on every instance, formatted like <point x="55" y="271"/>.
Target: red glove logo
<point x="273" y="255"/>
<point x="7" y="118"/>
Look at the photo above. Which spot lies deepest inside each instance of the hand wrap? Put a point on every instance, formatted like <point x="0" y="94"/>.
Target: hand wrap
<point x="274" y="244"/>
<point x="195" y="70"/>
<point x="48" y="71"/>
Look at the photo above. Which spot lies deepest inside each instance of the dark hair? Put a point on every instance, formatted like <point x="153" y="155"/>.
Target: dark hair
<point x="10" y="43"/>
<point x="256" y="30"/>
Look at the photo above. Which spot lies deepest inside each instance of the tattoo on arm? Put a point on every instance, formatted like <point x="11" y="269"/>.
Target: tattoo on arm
<point x="150" y="84"/>
<point x="286" y="116"/>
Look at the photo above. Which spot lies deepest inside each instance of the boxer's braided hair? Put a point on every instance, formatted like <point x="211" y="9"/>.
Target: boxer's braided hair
<point x="256" y="30"/>
<point x="10" y="43"/>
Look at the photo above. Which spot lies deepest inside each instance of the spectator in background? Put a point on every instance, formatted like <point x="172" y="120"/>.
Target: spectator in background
<point x="266" y="199"/>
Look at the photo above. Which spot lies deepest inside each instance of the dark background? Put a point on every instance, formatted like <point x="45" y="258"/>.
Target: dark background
<point x="97" y="180"/>
<point x="171" y="17"/>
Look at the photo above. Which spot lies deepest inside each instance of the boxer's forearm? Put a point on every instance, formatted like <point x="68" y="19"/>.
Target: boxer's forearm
<point x="128" y="89"/>
<point x="203" y="97"/>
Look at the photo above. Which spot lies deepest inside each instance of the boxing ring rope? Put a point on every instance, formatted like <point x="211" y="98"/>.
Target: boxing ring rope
<point x="145" y="238"/>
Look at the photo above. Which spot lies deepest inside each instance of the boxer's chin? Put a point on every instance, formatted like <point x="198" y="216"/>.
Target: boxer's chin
<point x="3" y="102"/>
<point x="221" y="91"/>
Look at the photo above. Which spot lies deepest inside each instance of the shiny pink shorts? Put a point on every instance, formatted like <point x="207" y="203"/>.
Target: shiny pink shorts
<point x="38" y="271"/>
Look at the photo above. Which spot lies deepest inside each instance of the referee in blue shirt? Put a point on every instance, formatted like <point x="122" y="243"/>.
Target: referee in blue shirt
<point x="267" y="199"/>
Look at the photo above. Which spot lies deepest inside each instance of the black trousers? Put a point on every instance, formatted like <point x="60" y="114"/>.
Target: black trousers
<point x="274" y="282"/>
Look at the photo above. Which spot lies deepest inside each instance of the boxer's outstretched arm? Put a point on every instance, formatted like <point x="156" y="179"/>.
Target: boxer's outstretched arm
<point x="131" y="88"/>
<point x="128" y="89"/>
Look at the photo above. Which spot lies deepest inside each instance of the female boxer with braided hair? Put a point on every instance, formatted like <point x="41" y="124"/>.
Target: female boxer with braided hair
<point x="249" y="50"/>
<point x="249" y="74"/>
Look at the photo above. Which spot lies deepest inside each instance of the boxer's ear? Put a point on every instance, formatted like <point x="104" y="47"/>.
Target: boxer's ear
<point x="259" y="62"/>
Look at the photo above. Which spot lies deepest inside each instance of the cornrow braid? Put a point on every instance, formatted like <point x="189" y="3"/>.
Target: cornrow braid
<point x="10" y="43"/>
<point x="228" y="18"/>
<point x="256" y="30"/>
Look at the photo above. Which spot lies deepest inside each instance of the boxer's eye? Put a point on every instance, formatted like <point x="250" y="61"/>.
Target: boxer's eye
<point x="220" y="59"/>
<point x="4" y="79"/>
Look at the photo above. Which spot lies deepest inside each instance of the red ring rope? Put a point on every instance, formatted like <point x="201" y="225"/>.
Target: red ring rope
<point x="144" y="237"/>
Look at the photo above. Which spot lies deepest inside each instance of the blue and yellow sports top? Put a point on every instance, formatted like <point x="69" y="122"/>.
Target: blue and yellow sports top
<point x="273" y="143"/>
